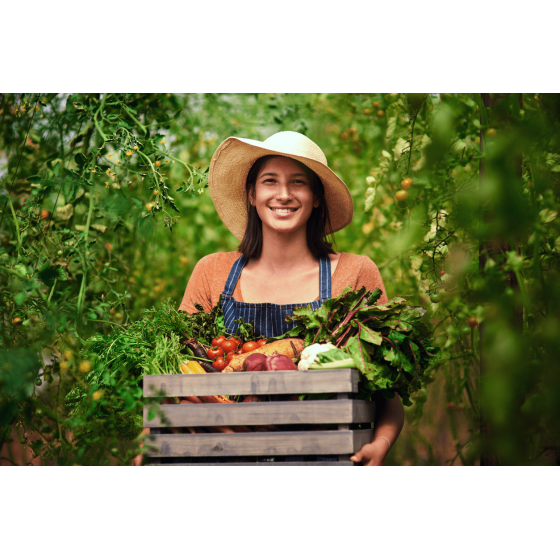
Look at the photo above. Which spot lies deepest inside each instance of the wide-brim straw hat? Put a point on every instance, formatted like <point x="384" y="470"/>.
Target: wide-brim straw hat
<point x="234" y="158"/>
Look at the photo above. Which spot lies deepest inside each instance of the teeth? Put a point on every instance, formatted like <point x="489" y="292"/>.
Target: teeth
<point x="283" y="210"/>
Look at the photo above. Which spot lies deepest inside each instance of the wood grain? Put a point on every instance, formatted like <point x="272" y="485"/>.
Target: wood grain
<point x="256" y="414"/>
<point x="325" y="442"/>
<point x="264" y="464"/>
<point x="253" y="383"/>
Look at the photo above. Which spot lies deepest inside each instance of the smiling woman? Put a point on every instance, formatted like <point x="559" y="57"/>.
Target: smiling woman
<point x="282" y="201"/>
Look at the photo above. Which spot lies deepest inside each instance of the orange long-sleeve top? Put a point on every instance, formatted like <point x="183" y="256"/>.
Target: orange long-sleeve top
<point x="210" y="274"/>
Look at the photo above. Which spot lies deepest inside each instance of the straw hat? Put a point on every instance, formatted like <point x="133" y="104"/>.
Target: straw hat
<point x="234" y="158"/>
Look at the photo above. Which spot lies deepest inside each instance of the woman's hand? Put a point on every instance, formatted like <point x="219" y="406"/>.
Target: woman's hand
<point x="372" y="454"/>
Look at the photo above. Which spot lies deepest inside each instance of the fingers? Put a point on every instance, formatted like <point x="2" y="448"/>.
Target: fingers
<point x="357" y="457"/>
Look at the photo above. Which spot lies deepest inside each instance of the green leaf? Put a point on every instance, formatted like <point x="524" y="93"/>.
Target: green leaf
<point x="370" y="335"/>
<point x="80" y="160"/>
<point x="19" y="298"/>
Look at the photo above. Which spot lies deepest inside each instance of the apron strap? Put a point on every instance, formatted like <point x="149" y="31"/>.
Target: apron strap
<point x="324" y="277"/>
<point x="234" y="274"/>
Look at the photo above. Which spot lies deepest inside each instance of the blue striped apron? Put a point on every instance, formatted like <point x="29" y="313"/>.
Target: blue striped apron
<point x="268" y="319"/>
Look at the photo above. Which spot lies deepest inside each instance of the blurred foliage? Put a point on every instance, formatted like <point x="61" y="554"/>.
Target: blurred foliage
<point x="105" y="212"/>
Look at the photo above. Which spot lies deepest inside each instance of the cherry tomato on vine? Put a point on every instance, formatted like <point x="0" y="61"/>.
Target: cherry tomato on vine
<point x="401" y="196"/>
<point x="249" y="347"/>
<point x="261" y="342"/>
<point x="214" y="353"/>
<point x="218" y="341"/>
<point x="376" y="104"/>
<point x="219" y="364"/>
<point x="406" y="184"/>
<point x="237" y="340"/>
<point x="435" y="298"/>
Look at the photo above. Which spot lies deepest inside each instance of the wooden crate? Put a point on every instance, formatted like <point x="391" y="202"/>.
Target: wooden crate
<point x="298" y="442"/>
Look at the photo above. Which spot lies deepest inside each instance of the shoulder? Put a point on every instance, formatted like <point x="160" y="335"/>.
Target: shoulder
<point x="214" y="260"/>
<point x="356" y="262"/>
<point x="356" y="271"/>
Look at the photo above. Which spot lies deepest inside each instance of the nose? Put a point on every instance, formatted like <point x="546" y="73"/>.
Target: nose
<point x="284" y="193"/>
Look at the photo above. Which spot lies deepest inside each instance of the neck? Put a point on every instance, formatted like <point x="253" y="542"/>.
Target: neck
<point x="283" y="252"/>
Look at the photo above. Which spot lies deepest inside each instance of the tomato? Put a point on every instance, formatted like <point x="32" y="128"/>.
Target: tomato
<point x="214" y="353"/>
<point x="231" y="355"/>
<point x="17" y="321"/>
<point x="218" y="341"/>
<point x="351" y="131"/>
<point x="380" y="113"/>
<point x="376" y="104"/>
<point x="435" y="298"/>
<point x="219" y="364"/>
<point x="261" y="342"/>
<point x="401" y="196"/>
<point x="406" y="184"/>
<point x="367" y="112"/>
<point x="442" y="272"/>
<point x="229" y="345"/>
<point x="44" y="214"/>
<point x="344" y="136"/>
<point x="249" y="347"/>
<point x="491" y="133"/>
<point x="450" y="405"/>
<point x="238" y="340"/>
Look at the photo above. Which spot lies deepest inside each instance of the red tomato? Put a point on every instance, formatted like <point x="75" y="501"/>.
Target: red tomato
<point x="231" y="355"/>
<point x="219" y="364"/>
<point x="237" y="340"/>
<point x="261" y="342"/>
<point x="229" y="345"/>
<point x="218" y="341"/>
<point x="214" y="353"/>
<point x="249" y="347"/>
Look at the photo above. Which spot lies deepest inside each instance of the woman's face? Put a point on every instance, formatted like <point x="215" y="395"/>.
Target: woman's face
<point x="283" y="197"/>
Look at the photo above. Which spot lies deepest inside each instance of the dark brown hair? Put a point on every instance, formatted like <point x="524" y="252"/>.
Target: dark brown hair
<point x="317" y="226"/>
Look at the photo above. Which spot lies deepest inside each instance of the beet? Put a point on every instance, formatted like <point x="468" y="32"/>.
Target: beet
<point x="279" y="363"/>
<point x="254" y="362"/>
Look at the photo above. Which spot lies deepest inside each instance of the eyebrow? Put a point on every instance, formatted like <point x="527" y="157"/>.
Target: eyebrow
<point x="276" y="174"/>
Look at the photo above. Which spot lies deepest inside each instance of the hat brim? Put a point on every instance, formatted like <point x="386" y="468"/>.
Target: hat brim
<point x="227" y="176"/>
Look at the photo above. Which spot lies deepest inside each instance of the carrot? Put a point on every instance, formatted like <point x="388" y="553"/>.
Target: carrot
<point x="215" y="399"/>
<point x="290" y="347"/>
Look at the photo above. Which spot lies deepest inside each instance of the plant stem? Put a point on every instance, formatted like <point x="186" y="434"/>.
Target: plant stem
<point x="134" y="119"/>
<point x="17" y="226"/>
<point x="411" y="142"/>
<point x="52" y="290"/>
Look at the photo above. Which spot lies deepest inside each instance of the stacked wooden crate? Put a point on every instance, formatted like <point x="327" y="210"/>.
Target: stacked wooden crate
<point x="322" y="432"/>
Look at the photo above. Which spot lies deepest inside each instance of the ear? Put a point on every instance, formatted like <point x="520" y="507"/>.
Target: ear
<point x="316" y="202"/>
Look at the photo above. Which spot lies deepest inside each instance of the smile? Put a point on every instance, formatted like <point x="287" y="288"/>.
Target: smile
<point x="284" y="210"/>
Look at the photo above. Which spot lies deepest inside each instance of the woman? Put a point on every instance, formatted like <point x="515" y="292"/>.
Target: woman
<point x="281" y="200"/>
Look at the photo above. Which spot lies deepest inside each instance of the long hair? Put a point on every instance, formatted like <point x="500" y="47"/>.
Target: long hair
<point x="318" y="224"/>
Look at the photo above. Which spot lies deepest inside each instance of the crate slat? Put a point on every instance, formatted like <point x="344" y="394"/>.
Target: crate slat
<point x="253" y="383"/>
<point x="321" y="442"/>
<point x="263" y="464"/>
<point x="255" y="414"/>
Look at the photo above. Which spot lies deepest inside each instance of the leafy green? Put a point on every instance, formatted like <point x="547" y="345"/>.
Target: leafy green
<point x="388" y="343"/>
<point x="334" y="358"/>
